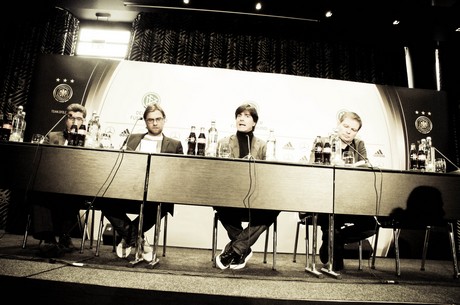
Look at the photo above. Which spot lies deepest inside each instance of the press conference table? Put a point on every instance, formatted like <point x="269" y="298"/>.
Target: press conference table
<point x="208" y="181"/>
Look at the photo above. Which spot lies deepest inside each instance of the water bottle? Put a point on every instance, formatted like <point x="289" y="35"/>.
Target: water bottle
<point x="191" y="140"/>
<point x="421" y="156"/>
<point x="271" y="146"/>
<point x="93" y="131"/>
<point x="413" y="155"/>
<point x="18" y="126"/>
<point x="211" y="148"/>
<point x="201" y="143"/>
<point x="336" y="148"/>
<point x="429" y="164"/>
<point x="318" y="150"/>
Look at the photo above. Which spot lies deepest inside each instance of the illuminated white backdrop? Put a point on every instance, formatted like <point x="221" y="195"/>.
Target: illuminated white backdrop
<point x="297" y="108"/>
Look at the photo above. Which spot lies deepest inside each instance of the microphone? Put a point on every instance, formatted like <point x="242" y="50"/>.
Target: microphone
<point x="52" y="128"/>
<point x="125" y="142"/>
<point x="366" y="160"/>
<point x="249" y="156"/>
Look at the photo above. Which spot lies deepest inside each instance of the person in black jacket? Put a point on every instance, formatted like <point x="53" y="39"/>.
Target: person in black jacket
<point x="56" y="215"/>
<point x="243" y="144"/>
<point x="347" y="228"/>
<point x="153" y="141"/>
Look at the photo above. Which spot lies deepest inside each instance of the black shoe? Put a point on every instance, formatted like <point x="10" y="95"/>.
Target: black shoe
<point x="50" y="250"/>
<point x="240" y="263"/>
<point x="225" y="259"/>
<point x="65" y="242"/>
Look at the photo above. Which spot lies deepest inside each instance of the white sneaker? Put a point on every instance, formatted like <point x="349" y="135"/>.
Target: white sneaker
<point x="123" y="250"/>
<point x="147" y="251"/>
<point x="241" y="263"/>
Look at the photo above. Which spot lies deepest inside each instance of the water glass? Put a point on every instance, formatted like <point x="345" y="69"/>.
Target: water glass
<point x="440" y="165"/>
<point x="348" y="158"/>
<point x="37" y="138"/>
<point x="224" y="150"/>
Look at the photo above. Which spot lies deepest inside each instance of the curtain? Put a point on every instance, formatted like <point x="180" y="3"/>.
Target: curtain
<point x="247" y="45"/>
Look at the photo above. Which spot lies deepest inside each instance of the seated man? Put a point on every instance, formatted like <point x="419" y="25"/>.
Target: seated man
<point x="152" y="141"/>
<point x="347" y="228"/>
<point x="54" y="215"/>
<point x="243" y="145"/>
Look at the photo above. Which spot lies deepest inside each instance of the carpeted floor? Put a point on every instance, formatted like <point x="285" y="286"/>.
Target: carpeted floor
<point x="186" y="276"/>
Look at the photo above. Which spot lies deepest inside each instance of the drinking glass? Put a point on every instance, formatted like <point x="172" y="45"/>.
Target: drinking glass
<point x="440" y="165"/>
<point x="348" y="158"/>
<point x="37" y="138"/>
<point x="224" y="150"/>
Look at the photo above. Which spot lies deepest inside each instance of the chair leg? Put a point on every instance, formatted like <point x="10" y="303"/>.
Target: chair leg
<point x="99" y="235"/>
<point x="275" y="243"/>
<point x="360" y="254"/>
<point x="267" y="235"/>
<point x="425" y="247"/>
<point x="396" y="233"/>
<point x="26" y="232"/>
<point x="85" y="227"/>
<point x="91" y="241"/>
<point x="165" y="228"/>
<point x="453" y="249"/>
<point x="296" y="241"/>
<point x="214" y="239"/>
<point x="376" y="240"/>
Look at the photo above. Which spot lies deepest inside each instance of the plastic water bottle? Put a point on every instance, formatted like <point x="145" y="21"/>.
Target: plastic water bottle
<point x="93" y="131"/>
<point x="18" y="126"/>
<point x="211" y="149"/>
<point x="271" y="146"/>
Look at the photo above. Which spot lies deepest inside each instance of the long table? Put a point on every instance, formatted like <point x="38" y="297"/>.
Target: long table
<point x="208" y="181"/>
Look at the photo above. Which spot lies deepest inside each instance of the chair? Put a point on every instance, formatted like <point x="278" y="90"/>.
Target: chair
<point x="267" y="234"/>
<point x="102" y="227"/>
<point x="306" y="219"/>
<point x="29" y="222"/>
<point x="396" y="233"/>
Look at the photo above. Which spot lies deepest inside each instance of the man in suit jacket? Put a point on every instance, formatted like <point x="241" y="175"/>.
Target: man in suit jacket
<point x="153" y="141"/>
<point x="243" y="145"/>
<point x="56" y="215"/>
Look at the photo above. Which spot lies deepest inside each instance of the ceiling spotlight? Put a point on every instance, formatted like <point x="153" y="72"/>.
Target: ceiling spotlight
<point x="258" y="6"/>
<point x="328" y="14"/>
<point x="186" y="1"/>
<point x="396" y="22"/>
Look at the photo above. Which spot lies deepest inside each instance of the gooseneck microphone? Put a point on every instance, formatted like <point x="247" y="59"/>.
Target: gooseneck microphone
<point x="455" y="165"/>
<point x="249" y="147"/>
<point x="366" y="160"/>
<point x="125" y="142"/>
<point x="57" y="123"/>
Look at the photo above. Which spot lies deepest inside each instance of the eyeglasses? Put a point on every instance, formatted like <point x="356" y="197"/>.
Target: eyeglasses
<point x="73" y="119"/>
<point x="152" y="120"/>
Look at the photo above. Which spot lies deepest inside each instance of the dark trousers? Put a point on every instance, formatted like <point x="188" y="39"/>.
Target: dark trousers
<point x="241" y="239"/>
<point x="348" y="228"/>
<point x="53" y="216"/>
<point x="127" y="228"/>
